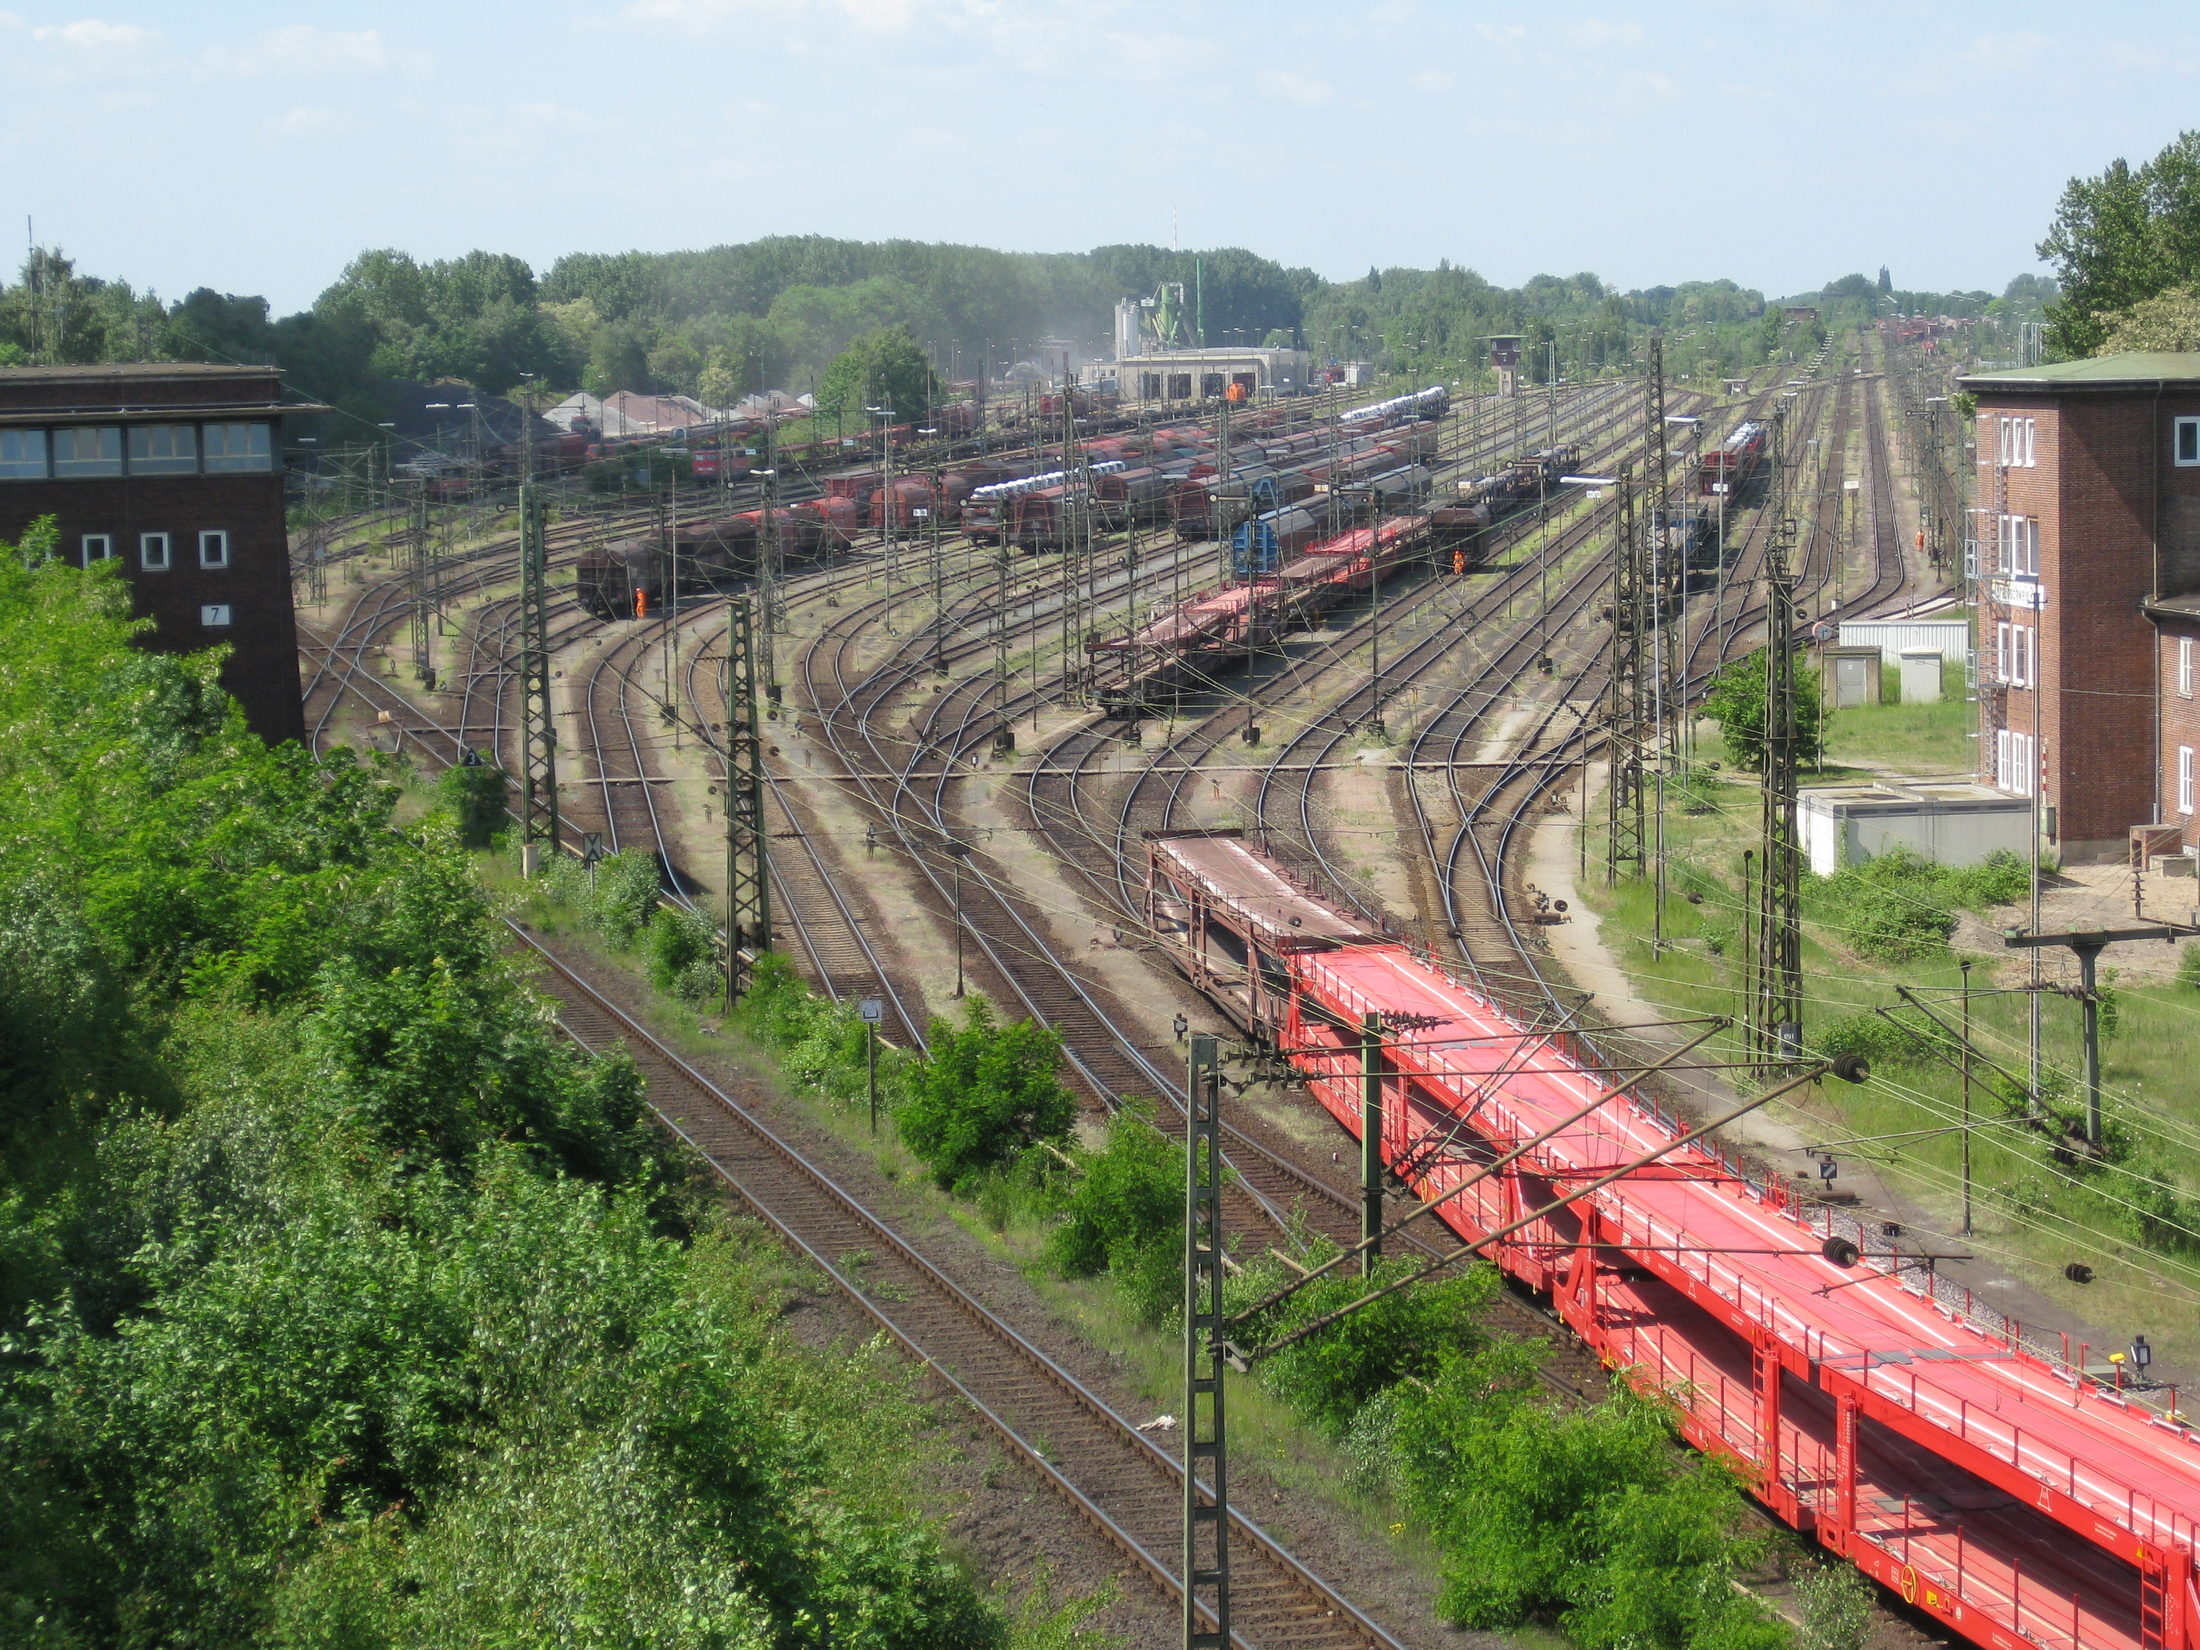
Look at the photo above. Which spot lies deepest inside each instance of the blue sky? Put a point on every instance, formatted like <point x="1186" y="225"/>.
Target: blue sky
<point x="256" y="146"/>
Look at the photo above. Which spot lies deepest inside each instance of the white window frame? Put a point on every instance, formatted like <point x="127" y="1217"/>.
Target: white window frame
<point x="156" y="552"/>
<point x="2001" y="650"/>
<point x="214" y="547"/>
<point x="2030" y="436"/>
<point x="2184" y="442"/>
<point x="2184" y="667"/>
<point x="93" y="547"/>
<point x="2184" y="779"/>
<point x="2014" y="767"/>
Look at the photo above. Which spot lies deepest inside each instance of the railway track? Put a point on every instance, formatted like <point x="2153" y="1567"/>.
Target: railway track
<point x="1125" y="1486"/>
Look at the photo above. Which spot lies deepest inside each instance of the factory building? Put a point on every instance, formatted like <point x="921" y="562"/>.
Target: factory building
<point x="175" y="471"/>
<point x="2084" y="551"/>
<point x="1206" y="374"/>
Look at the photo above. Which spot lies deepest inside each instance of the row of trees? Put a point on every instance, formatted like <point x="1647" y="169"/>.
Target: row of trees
<point x="779" y="312"/>
<point x="341" y="1302"/>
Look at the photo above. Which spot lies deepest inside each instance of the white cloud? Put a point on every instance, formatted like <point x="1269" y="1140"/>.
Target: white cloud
<point x="1430" y="80"/>
<point x="1595" y="32"/>
<point x="91" y="34"/>
<point x="880" y="16"/>
<point x="1299" y="89"/>
<point x="301" y="50"/>
<point x="309" y="123"/>
<point x="2005" y="53"/>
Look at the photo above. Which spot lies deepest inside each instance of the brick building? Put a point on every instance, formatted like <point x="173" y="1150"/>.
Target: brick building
<point x="177" y="471"/>
<point x="2086" y="552"/>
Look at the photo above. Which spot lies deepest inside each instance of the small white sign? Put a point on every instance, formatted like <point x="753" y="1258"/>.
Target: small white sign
<point x="872" y="1009"/>
<point x="214" y="615"/>
<point x="2025" y="595"/>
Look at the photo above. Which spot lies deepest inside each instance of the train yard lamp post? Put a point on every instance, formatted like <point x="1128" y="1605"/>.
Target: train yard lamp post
<point x="1209" y="1347"/>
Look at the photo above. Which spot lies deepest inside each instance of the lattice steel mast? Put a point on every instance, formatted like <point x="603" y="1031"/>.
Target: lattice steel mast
<point x="538" y="718"/>
<point x="422" y="592"/>
<point x="748" y="875"/>
<point x="1206" y="1522"/>
<point x="1627" y="692"/>
<point x="1776" y="1014"/>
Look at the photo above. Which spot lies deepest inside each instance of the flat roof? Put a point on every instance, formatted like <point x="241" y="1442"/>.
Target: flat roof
<point x="2096" y="372"/>
<point x="136" y="369"/>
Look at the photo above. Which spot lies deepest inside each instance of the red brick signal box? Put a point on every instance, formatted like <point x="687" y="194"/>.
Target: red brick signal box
<point x="176" y="471"/>
<point x="2085" y="551"/>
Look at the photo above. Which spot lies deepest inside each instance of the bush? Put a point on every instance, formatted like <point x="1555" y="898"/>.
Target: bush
<point x="984" y="1095"/>
<point x="1124" y="1215"/>
<point x="2002" y="878"/>
<point x="1874" y="1038"/>
<point x="1894" y="907"/>
<point x="681" y="950"/>
<point x="478" y="798"/>
<point x="625" y="893"/>
<point x="1836" y="1606"/>
<point x="2188" y="965"/>
<point x="1409" y="1334"/>
<point x="1589" y="1515"/>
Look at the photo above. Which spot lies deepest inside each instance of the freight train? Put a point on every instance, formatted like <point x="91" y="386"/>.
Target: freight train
<point x="632" y="577"/>
<point x="1194" y="641"/>
<point x="1464" y="527"/>
<point x="2025" y="1499"/>
<point x="1429" y="404"/>
<point x="1729" y="468"/>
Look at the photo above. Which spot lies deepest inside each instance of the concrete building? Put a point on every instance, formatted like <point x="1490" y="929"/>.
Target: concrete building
<point x="1205" y="374"/>
<point x="177" y="471"/>
<point x="2085" y="550"/>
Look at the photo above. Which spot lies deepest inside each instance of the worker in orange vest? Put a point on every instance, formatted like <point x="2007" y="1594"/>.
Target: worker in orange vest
<point x="641" y="602"/>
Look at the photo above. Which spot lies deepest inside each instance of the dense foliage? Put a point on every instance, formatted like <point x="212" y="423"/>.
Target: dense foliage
<point x="984" y="1095"/>
<point x="2119" y="239"/>
<point x="781" y="312"/>
<point x="1737" y="703"/>
<point x="1588" y="1516"/>
<point x="1899" y="906"/>
<point x="341" y="1301"/>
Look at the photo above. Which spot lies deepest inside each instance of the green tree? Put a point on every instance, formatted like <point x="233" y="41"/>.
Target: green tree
<point x="1737" y="703"/>
<point x="2120" y="238"/>
<point x="985" y="1094"/>
<point x="886" y="368"/>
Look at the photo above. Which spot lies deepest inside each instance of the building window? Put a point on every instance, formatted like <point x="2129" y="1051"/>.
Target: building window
<point x="2020" y="547"/>
<point x="96" y="547"/>
<point x="2185" y="444"/>
<point x="2184" y="667"/>
<point x="22" y="455"/>
<point x="214" y="548"/>
<point x="2015" y="655"/>
<point x="2016" y="442"/>
<point x="91" y="451"/>
<point x="2184" y="779"/>
<point x="237" y="447"/>
<point x="153" y="552"/>
<point x="2013" y="768"/>
<point x="164" y="449"/>
<point x="1180" y="386"/>
<point x="214" y="615"/>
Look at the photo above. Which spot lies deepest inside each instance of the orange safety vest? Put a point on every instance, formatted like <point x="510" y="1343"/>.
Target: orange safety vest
<point x="641" y="602"/>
